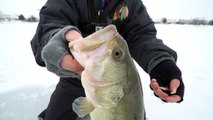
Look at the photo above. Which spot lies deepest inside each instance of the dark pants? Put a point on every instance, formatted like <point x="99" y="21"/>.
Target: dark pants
<point x="60" y="105"/>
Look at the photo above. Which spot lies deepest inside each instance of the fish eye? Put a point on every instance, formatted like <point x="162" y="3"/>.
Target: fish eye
<point x="117" y="54"/>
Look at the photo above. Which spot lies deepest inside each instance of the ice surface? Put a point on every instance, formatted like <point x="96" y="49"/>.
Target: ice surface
<point x="25" y="88"/>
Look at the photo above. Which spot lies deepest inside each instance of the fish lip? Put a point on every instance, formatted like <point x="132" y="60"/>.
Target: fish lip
<point x="99" y="41"/>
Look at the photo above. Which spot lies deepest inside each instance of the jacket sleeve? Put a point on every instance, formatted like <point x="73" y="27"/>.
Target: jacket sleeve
<point x="54" y="16"/>
<point x="140" y="34"/>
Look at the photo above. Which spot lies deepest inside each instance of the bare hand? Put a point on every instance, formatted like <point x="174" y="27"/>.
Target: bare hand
<point x="174" y="84"/>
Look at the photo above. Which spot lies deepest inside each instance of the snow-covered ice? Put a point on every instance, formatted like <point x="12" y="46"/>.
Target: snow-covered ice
<point x="25" y="87"/>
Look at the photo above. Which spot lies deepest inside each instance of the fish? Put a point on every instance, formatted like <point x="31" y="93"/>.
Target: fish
<point x="110" y="79"/>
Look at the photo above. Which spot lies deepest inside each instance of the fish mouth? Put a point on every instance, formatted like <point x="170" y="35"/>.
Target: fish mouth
<point x="94" y="41"/>
<point x="86" y="45"/>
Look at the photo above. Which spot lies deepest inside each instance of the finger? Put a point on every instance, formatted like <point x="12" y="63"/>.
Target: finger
<point x="157" y="90"/>
<point x="165" y="97"/>
<point x="72" y="35"/>
<point x="154" y="84"/>
<point x="174" y="84"/>
<point x="162" y="95"/>
<point x="75" y="66"/>
<point x="173" y="98"/>
<point x="69" y="63"/>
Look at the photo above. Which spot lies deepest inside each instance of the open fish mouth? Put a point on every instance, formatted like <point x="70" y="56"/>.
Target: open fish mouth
<point x="86" y="46"/>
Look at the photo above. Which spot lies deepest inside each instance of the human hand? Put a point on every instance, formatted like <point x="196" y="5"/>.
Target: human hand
<point x="166" y="82"/>
<point x="69" y="62"/>
<point x="170" y="96"/>
<point x="72" y="35"/>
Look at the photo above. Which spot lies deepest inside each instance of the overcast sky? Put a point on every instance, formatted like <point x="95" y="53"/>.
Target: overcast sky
<point x="185" y="9"/>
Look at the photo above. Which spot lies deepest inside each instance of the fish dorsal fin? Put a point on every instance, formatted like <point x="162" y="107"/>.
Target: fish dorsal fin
<point x="82" y="107"/>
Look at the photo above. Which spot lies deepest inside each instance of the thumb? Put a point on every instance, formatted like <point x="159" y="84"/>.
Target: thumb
<point x="174" y="84"/>
<point x="69" y="63"/>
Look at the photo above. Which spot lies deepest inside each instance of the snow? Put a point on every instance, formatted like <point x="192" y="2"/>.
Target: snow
<point x="25" y="87"/>
<point x="194" y="47"/>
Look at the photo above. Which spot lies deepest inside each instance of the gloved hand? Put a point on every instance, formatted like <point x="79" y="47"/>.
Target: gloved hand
<point x="68" y="62"/>
<point x="57" y="56"/>
<point x="166" y="82"/>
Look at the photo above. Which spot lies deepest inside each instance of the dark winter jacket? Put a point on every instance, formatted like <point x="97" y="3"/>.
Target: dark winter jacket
<point x="58" y="16"/>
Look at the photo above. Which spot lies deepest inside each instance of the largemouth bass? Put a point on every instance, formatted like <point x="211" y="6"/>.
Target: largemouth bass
<point x="110" y="79"/>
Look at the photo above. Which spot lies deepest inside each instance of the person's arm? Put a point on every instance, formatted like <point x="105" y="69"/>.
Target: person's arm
<point x="49" y="44"/>
<point x="149" y="52"/>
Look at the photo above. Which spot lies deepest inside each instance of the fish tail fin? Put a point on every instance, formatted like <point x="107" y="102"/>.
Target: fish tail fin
<point x="82" y="107"/>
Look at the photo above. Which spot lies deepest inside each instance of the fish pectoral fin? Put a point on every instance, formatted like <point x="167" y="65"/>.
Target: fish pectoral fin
<point x="81" y="106"/>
